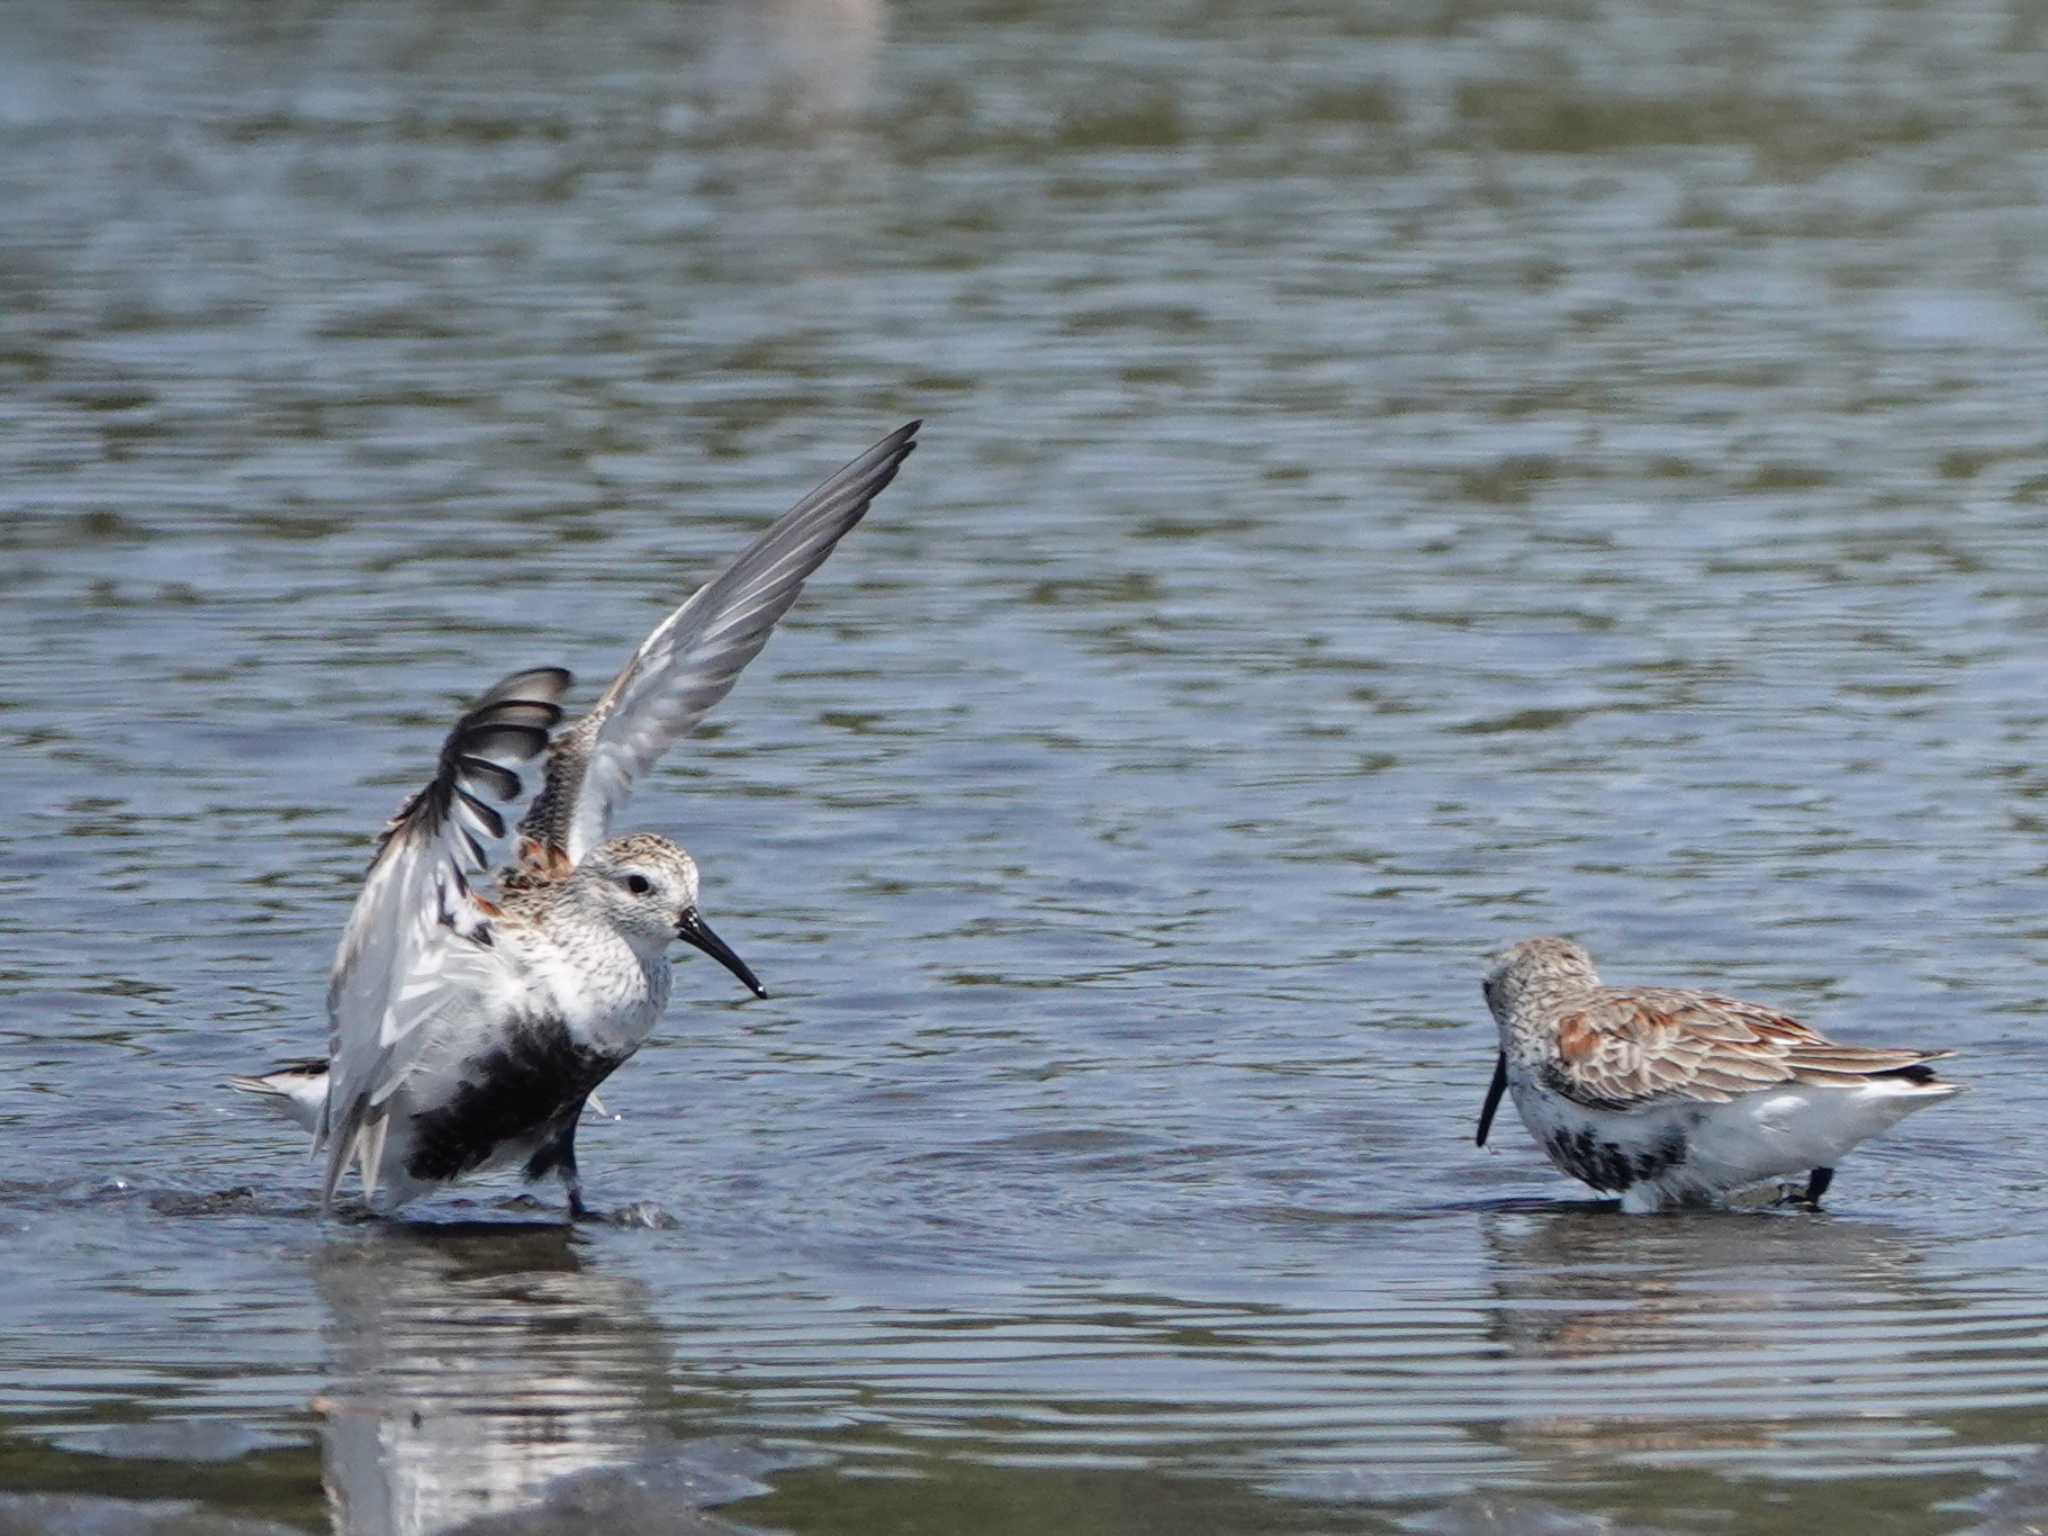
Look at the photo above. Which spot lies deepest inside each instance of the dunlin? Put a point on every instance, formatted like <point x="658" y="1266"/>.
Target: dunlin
<point x="464" y="1033"/>
<point x="1667" y="1097"/>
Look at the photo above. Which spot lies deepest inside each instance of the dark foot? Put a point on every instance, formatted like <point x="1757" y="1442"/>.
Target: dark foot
<point x="572" y="1186"/>
<point x="563" y="1155"/>
<point x="1807" y="1199"/>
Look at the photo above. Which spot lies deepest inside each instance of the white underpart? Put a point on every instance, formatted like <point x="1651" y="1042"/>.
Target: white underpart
<point x="608" y="996"/>
<point x="1776" y="1133"/>
<point x="585" y="974"/>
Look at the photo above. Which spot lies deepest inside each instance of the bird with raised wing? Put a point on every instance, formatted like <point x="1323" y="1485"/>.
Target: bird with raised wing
<point x="1668" y="1097"/>
<point x="466" y="1033"/>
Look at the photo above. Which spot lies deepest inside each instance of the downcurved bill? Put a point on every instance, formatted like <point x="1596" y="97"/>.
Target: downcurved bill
<point x="1500" y="1086"/>
<point x="694" y="931"/>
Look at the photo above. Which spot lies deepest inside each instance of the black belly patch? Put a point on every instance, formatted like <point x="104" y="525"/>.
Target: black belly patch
<point x="529" y="1088"/>
<point x="1609" y="1169"/>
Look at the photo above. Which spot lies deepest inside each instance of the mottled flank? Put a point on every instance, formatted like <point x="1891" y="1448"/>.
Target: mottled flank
<point x="529" y="1088"/>
<point x="1608" y="1166"/>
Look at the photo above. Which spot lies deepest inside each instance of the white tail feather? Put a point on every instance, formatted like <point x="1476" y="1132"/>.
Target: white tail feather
<point x="297" y="1093"/>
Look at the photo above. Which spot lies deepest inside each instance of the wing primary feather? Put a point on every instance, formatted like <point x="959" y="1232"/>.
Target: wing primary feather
<point x="486" y="815"/>
<point x="691" y="660"/>
<point x="503" y="782"/>
<point x="370" y="1152"/>
<point x="520" y="713"/>
<point x="536" y="686"/>
<point x="498" y="738"/>
<point x="511" y="723"/>
<point x="341" y="1144"/>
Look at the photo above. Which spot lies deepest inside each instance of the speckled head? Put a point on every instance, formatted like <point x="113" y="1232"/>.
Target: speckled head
<point x="1532" y="971"/>
<point x="646" y="887"/>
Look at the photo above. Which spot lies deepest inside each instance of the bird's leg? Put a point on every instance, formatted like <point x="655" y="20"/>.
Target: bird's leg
<point x="572" y="1181"/>
<point x="559" y="1156"/>
<point x="1807" y="1199"/>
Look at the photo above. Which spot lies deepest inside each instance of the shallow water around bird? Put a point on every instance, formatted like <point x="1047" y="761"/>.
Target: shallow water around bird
<point x="1398" y="479"/>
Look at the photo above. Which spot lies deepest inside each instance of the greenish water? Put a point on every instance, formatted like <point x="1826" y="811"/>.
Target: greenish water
<point x="1398" y="479"/>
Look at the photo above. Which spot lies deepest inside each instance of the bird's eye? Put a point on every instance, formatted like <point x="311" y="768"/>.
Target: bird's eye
<point x="639" y="885"/>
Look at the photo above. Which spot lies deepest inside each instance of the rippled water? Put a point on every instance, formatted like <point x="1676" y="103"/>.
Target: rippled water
<point x="1397" y="479"/>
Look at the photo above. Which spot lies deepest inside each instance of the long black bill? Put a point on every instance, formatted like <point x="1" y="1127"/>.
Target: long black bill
<point x="693" y="930"/>
<point x="1500" y="1086"/>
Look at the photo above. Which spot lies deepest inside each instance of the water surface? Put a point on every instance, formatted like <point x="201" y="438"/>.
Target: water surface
<point x="1397" y="480"/>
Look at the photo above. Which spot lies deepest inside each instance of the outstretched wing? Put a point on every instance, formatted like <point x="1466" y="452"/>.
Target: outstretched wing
<point x="690" y="662"/>
<point x="1634" y="1046"/>
<point x="415" y="924"/>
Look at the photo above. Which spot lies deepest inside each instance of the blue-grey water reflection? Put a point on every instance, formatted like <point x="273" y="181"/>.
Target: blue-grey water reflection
<point x="1397" y="479"/>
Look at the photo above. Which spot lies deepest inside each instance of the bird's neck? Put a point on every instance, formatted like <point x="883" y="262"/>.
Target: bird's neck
<point x="1524" y="1032"/>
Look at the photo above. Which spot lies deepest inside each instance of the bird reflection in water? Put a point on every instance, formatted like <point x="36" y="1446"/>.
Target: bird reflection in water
<point x="799" y="63"/>
<point x="472" y="1370"/>
<point x="1621" y="1338"/>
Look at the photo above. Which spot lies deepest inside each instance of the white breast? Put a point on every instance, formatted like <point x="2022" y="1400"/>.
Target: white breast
<point x="607" y="996"/>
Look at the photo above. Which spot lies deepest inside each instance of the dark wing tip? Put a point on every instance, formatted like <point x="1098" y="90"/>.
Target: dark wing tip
<point x="1915" y="1072"/>
<point x="868" y="475"/>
